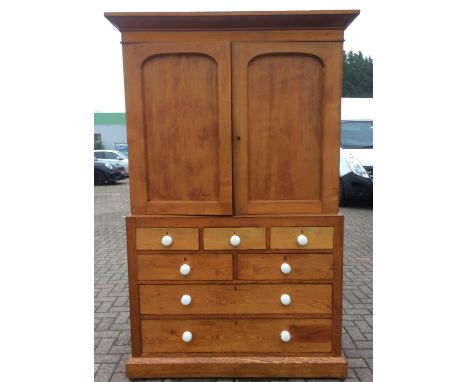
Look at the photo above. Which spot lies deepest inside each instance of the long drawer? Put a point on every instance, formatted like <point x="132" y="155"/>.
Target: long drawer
<point x="284" y="267"/>
<point x="236" y="299"/>
<point x="239" y="335"/>
<point x="184" y="267"/>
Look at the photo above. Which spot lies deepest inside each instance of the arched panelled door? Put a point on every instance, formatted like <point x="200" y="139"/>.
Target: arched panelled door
<point x="285" y="157"/>
<point x="178" y="111"/>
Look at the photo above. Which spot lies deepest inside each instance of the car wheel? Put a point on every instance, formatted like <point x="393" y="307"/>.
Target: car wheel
<point x="342" y="196"/>
<point x="99" y="177"/>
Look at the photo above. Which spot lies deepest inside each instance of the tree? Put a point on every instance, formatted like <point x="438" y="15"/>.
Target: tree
<point x="357" y="75"/>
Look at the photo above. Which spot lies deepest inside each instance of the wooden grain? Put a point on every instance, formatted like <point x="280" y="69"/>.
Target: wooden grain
<point x="180" y="158"/>
<point x="240" y="335"/>
<point x="219" y="238"/>
<point x="286" y="237"/>
<point x="268" y="266"/>
<point x="338" y="285"/>
<point x="275" y="367"/>
<point x="202" y="267"/>
<point x="232" y="299"/>
<point x="150" y="238"/>
<point x="285" y="109"/>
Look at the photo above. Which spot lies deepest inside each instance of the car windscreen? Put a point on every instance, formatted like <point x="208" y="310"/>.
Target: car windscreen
<point x="357" y="135"/>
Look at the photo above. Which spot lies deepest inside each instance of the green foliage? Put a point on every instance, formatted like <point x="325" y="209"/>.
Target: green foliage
<point x="98" y="145"/>
<point x="357" y="75"/>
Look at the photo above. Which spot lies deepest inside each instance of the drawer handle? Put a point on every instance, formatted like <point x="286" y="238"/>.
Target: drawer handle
<point x="285" y="268"/>
<point x="185" y="269"/>
<point x="285" y="299"/>
<point x="235" y="240"/>
<point x="186" y="300"/>
<point x="187" y="336"/>
<point x="166" y="241"/>
<point x="302" y="240"/>
<point x="285" y="336"/>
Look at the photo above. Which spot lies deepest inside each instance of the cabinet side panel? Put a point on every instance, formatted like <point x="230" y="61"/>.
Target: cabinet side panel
<point x="181" y="117"/>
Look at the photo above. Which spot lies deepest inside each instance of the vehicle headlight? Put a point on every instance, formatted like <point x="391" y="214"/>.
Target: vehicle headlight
<point x="109" y="166"/>
<point x="356" y="166"/>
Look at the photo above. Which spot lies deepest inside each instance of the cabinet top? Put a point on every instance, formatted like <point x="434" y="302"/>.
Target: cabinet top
<point x="153" y="21"/>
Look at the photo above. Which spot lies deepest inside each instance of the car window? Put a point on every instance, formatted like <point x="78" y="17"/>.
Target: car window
<point x="99" y="155"/>
<point x="111" y="155"/>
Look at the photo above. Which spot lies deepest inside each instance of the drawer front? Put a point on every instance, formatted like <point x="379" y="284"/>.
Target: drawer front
<point x="236" y="299"/>
<point x="182" y="238"/>
<point x="220" y="238"/>
<point x="175" y="267"/>
<point x="287" y="237"/>
<point x="276" y="267"/>
<point x="239" y="336"/>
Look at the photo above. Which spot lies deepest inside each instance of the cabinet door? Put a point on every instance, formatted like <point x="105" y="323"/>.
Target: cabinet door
<point x="178" y="101"/>
<point x="286" y="118"/>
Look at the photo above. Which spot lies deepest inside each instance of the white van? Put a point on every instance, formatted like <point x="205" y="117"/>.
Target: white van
<point x="356" y="150"/>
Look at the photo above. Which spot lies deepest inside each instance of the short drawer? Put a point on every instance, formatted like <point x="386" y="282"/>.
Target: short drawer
<point x="284" y="267"/>
<point x="236" y="299"/>
<point x="236" y="336"/>
<point x="184" y="267"/>
<point x="288" y="237"/>
<point x="178" y="239"/>
<point x="248" y="237"/>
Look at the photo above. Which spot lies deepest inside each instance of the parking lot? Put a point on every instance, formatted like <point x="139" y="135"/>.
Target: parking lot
<point x="112" y="324"/>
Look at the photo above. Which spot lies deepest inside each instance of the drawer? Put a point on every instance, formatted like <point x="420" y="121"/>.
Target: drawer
<point x="220" y="238"/>
<point x="236" y="299"/>
<point x="316" y="237"/>
<point x="184" y="267"/>
<point x="179" y="238"/>
<point x="239" y="336"/>
<point x="276" y="267"/>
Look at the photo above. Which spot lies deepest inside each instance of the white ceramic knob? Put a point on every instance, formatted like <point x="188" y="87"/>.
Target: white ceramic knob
<point x="166" y="241"/>
<point x="187" y="336"/>
<point x="285" y="299"/>
<point x="184" y="269"/>
<point x="285" y="336"/>
<point x="302" y="240"/>
<point x="186" y="299"/>
<point x="235" y="240"/>
<point x="285" y="268"/>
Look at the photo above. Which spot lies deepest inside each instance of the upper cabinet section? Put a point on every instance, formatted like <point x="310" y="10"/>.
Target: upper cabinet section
<point x="233" y="112"/>
<point x="179" y="132"/>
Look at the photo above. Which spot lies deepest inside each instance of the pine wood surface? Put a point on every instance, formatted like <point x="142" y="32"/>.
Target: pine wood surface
<point x="219" y="238"/>
<point x="183" y="238"/>
<point x="286" y="237"/>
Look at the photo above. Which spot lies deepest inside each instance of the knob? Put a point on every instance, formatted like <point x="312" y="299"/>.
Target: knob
<point x="302" y="240"/>
<point x="285" y="268"/>
<point x="235" y="240"/>
<point x="186" y="299"/>
<point x="285" y="336"/>
<point x="166" y="241"/>
<point x="184" y="269"/>
<point x="285" y="299"/>
<point x="187" y="336"/>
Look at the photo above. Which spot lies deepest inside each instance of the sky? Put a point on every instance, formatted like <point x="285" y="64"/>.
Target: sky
<point x="108" y="94"/>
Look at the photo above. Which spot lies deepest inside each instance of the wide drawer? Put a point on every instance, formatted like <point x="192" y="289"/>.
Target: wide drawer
<point x="236" y="299"/>
<point x="284" y="267"/>
<point x="239" y="335"/>
<point x="220" y="238"/>
<point x="316" y="237"/>
<point x="181" y="238"/>
<point x="184" y="267"/>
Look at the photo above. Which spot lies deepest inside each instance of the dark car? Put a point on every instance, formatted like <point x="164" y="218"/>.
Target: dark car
<point x="107" y="173"/>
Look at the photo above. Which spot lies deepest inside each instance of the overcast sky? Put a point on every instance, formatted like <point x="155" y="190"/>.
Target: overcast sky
<point x="108" y="95"/>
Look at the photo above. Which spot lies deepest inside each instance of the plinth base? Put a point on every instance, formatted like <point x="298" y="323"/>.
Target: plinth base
<point x="331" y="367"/>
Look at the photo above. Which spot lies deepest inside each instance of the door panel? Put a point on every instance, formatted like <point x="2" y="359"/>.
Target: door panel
<point x="178" y="102"/>
<point x="286" y="121"/>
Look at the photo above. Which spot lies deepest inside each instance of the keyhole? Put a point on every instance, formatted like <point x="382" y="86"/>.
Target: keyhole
<point x="185" y="259"/>
<point x="238" y="137"/>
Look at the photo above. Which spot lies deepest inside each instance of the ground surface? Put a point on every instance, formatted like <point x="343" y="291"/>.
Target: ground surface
<point x="112" y="325"/>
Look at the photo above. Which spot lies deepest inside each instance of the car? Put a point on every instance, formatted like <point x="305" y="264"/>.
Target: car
<point x="357" y="152"/>
<point x="106" y="172"/>
<point x="113" y="157"/>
